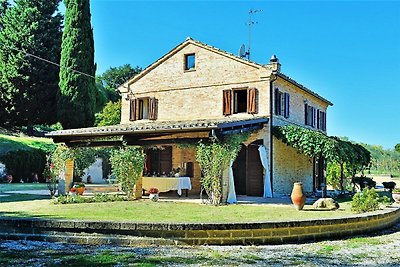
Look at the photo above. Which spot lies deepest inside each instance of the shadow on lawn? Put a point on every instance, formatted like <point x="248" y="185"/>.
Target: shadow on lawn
<point x="11" y="197"/>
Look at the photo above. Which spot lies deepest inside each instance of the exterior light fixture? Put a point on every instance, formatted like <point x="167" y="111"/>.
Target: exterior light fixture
<point x="129" y="96"/>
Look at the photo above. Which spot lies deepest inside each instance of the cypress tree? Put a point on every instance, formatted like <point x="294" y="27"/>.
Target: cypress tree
<point x="29" y="85"/>
<point x="76" y="100"/>
<point x="3" y="6"/>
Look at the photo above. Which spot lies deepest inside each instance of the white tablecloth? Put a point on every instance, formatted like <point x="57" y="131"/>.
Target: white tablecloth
<point x="165" y="184"/>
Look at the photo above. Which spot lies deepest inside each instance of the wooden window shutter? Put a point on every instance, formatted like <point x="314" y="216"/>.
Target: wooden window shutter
<point x="153" y="106"/>
<point x="305" y="114"/>
<point x="227" y="102"/>
<point x="132" y="110"/>
<point x="313" y="116"/>
<point x="277" y="101"/>
<point x="287" y="105"/>
<point x="252" y="100"/>
<point x="319" y="119"/>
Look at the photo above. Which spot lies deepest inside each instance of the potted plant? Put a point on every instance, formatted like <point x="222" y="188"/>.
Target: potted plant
<point x="78" y="188"/>
<point x="153" y="194"/>
<point x="396" y="195"/>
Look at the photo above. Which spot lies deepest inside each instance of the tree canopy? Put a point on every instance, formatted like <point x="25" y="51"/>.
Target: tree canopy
<point x="77" y="98"/>
<point x="115" y="76"/>
<point x="29" y="85"/>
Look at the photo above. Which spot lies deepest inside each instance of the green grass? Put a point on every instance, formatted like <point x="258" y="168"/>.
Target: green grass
<point x="11" y="143"/>
<point x="163" y="212"/>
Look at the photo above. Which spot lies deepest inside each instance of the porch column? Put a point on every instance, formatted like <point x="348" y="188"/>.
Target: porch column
<point x="138" y="190"/>
<point x="225" y="185"/>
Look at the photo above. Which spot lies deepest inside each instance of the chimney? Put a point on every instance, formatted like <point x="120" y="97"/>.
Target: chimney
<point x="274" y="64"/>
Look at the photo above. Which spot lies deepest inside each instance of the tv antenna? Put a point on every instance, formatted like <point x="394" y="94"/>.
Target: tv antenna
<point x="250" y="23"/>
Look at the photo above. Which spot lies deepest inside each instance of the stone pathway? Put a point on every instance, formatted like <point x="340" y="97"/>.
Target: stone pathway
<point x="382" y="249"/>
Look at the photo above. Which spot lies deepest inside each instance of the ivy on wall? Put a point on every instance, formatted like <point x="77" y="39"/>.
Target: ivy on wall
<point x="349" y="157"/>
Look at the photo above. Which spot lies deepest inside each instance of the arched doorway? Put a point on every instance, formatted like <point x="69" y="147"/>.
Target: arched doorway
<point x="248" y="171"/>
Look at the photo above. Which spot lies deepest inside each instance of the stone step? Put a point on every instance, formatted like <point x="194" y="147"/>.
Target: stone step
<point x="101" y="188"/>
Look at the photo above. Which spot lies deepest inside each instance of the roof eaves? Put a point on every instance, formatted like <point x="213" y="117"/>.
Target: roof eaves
<point x="287" y="78"/>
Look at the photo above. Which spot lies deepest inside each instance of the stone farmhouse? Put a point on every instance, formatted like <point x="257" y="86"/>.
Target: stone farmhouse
<point x="197" y="91"/>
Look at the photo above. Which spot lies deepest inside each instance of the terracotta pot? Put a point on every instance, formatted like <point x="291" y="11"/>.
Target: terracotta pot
<point x="396" y="197"/>
<point x="298" y="197"/>
<point x="80" y="190"/>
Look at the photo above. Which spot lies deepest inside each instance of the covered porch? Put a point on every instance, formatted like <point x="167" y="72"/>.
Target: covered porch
<point x="170" y="152"/>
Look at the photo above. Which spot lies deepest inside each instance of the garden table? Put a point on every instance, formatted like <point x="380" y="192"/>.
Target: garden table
<point x="165" y="184"/>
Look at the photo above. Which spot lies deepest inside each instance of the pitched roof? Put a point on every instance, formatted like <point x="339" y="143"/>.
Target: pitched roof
<point x="221" y="52"/>
<point x="178" y="48"/>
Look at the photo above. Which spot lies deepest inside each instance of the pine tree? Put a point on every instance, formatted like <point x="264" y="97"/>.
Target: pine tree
<point x="30" y="85"/>
<point x="76" y="101"/>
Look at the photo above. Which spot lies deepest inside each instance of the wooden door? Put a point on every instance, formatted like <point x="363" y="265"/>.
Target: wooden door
<point x="254" y="181"/>
<point x="248" y="171"/>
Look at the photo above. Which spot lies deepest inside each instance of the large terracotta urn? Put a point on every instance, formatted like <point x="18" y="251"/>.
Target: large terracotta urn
<point x="396" y="197"/>
<point x="298" y="197"/>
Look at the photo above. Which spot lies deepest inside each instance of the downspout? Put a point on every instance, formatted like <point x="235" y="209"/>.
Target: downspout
<point x="273" y="78"/>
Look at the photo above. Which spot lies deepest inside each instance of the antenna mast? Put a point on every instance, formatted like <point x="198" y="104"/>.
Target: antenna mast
<point x="250" y="23"/>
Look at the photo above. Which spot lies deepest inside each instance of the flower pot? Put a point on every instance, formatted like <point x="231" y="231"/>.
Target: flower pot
<point x="154" y="197"/>
<point x="80" y="190"/>
<point x="297" y="196"/>
<point x="396" y="197"/>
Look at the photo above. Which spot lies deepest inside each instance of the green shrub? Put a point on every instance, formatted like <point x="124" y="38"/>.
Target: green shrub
<point x="22" y="163"/>
<point x="367" y="200"/>
<point x="73" y="199"/>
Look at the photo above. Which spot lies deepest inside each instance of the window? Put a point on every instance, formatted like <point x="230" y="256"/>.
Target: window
<point x="282" y="103"/>
<point x="190" y="62"/>
<point x="314" y="117"/>
<point x="143" y="109"/>
<point x="240" y="101"/>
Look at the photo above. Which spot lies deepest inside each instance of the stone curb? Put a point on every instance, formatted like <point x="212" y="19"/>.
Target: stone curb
<point x="122" y="233"/>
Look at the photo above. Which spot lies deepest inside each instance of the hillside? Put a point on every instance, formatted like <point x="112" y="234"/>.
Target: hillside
<point x="12" y="141"/>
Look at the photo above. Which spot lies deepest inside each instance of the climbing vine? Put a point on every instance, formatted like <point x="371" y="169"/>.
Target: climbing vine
<point x="83" y="157"/>
<point x="127" y="165"/>
<point x="348" y="156"/>
<point x="213" y="158"/>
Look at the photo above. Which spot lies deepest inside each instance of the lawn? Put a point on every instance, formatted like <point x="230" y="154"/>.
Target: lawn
<point x="11" y="143"/>
<point x="25" y="205"/>
<point x="164" y="212"/>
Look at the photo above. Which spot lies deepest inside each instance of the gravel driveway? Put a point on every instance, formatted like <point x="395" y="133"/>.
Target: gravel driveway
<point x="382" y="249"/>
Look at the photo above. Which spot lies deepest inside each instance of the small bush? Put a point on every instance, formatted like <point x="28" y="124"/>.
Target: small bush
<point x="73" y="199"/>
<point x="367" y="200"/>
<point x="22" y="163"/>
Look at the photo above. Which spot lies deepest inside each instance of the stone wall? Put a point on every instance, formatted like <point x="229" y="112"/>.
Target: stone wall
<point x="181" y="155"/>
<point x="118" y="233"/>
<point x="297" y="100"/>
<point x="290" y="166"/>
<point x="197" y="93"/>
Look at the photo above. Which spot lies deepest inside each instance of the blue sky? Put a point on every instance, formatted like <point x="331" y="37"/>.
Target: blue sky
<point x="346" y="51"/>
